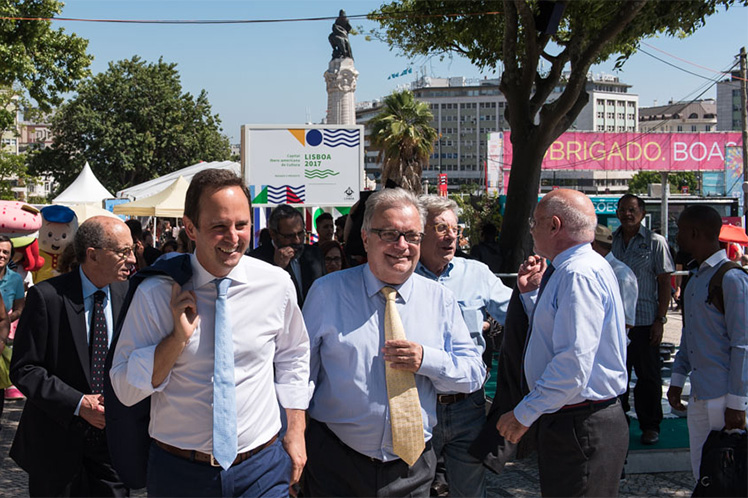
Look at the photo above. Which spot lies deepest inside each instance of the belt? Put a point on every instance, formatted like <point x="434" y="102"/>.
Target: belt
<point x="199" y="456"/>
<point x="589" y="405"/>
<point x="448" y="399"/>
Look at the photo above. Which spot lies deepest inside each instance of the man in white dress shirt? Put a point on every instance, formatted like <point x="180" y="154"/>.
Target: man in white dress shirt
<point x="166" y="351"/>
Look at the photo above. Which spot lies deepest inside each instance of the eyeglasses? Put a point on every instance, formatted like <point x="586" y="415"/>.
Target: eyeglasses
<point x="290" y="236"/>
<point x="393" y="236"/>
<point x="333" y="259"/>
<point x="533" y="222"/>
<point x="122" y="253"/>
<point x="443" y="228"/>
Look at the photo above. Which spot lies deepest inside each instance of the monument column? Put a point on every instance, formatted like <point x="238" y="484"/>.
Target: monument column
<point x="340" y="77"/>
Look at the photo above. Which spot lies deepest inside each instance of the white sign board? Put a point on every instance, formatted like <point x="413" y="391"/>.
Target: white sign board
<point x="308" y="165"/>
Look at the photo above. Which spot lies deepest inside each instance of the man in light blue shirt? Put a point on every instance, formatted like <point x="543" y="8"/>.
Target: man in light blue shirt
<point x="349" y="438"/>
<point x="479" y="292"/>
<point x="575" y="356"/>
<point x="714" y="345"/>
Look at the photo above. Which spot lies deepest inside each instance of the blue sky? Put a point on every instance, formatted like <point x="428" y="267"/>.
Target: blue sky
<point x="273" y="73"/>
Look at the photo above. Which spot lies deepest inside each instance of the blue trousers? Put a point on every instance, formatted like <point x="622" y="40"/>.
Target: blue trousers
<point x="457" y="426"/>
<point x="266" y="474"/>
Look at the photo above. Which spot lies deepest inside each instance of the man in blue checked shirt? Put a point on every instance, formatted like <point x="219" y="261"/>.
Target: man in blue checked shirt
<point x="460" y="416"/>
<point x="714" y="345"/>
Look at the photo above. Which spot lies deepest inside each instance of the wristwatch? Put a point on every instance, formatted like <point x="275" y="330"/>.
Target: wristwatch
<point x="662" y="319"/>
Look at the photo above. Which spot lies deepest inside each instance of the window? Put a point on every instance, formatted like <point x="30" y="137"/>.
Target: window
<point x="693" y="127"/>
<point x="680" y="128"/>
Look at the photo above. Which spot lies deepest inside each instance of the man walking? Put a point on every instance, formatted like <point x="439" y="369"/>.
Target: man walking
<point x="460" y="416"/>
<point x="217" y="357"/>
<point x="648" y="256"/>
<point x="575" y="357"/>
<point x="384" y="341"/>
<point x="714" y="345"/>
<point x="58" y="363"/>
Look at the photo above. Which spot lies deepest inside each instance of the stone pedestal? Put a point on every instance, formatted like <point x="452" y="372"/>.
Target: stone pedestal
<point x="340" y="78"/>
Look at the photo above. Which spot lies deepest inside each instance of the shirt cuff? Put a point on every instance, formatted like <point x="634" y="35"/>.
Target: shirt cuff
<point x="293" y="397"/>
<point x="677" y="380"/>
<point x="524" y="414"/>
<point x="78" y="408"/>
<point x="528" y="301"/>
<point x="140" y="370"/>
<point x="431" y="364"/>
<point x="737" y="402"/>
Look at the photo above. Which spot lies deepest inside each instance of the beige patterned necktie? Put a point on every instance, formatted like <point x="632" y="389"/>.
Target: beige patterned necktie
<point x="405" y="407"/>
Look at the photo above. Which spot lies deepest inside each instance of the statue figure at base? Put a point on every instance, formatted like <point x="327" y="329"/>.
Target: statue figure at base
<point x="341" y="46"/>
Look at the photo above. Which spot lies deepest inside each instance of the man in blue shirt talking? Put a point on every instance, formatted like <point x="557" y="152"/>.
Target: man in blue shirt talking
<point x="353" y="437"/>
<point x="478" y="291"/>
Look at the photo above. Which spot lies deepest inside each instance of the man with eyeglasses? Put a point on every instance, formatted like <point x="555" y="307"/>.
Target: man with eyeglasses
<point x="303" y="261"/>
<point x="62" y="340"/>
<point x="369" y="325"/>
<point x="460" y="416"/>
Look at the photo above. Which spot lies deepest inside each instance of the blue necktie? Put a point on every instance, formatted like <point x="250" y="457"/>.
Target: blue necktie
<point x="224" y="386"/>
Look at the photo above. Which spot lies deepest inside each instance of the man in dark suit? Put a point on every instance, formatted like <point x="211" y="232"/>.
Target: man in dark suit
<point x="58" y="363"/>
<point x="304" y="262"/>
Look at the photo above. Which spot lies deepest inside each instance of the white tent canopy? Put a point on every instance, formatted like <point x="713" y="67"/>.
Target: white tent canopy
<point x="169" y="203"/>
<point x="156" y="185"/>
<point x="85" y="189"/>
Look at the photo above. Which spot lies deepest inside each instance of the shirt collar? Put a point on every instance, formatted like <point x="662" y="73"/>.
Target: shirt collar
<point x="201" y="276"/>
<point x="373" y="285"/>
<point x="567" y="254"/>
<point x="714" y="259"/>
<point x="422" y="270"/>
<point x="88" y="287"/>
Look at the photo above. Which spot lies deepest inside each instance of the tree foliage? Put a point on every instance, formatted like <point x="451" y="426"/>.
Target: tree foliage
<point x="36" y="61"/>
<point x="13" y="171"/>
<point x="475" y="211"/>
<point x="639" y="183"/>
<point x="405" y="138"/>
<point x="512" y="33"/>
<point x="132" y="123"/>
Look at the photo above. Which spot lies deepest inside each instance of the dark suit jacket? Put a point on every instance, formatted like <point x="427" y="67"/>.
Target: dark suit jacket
<point x="51" y="366"/>
<point x="311" y="262"/>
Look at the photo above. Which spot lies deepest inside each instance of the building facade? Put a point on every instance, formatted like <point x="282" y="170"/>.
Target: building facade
<point x="676" y="117"/>
<point x="467" y="110"/>
<point x="728" y="104"/>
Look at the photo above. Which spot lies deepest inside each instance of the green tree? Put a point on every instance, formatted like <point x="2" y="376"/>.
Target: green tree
<point x="639" y="183"/>
<point x="132" y="123"/>
<point x="512" y="32"/>
<point x="475" y="211"/>
<point x="36" y="61"/>
<point x="405" y="138"/>
<point x="13" y="173"/>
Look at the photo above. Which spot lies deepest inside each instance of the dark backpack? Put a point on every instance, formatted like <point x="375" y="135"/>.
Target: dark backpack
<point x="715" y="296"/>
<point x="723" y="465"/>
<point x="127" y="426"/>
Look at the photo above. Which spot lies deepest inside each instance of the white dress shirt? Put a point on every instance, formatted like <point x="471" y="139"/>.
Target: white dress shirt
<point x="629" y="287"/>
<point x="577" y="345"/>
<point x="271" y="356"/>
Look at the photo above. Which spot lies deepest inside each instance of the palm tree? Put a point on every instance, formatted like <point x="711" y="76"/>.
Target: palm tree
<point x="405" y="138"/>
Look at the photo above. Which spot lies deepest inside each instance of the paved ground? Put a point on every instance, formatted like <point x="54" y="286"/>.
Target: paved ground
<point x="520" y="479"/>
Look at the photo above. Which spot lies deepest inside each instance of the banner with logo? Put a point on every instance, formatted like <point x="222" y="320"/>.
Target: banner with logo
<point x="310" y="165"/>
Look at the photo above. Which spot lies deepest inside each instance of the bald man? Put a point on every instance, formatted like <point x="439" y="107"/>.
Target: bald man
<point x="575" y="356"/>
<point x="62" y="339"/>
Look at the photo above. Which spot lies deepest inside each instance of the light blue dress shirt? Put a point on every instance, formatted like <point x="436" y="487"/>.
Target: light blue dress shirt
<point x="344" y="314"/>
<point x="713" y="346"/>
<point x="478" y="291"/>
<point x="88" y="303"/>
<point x="577" y="345"/>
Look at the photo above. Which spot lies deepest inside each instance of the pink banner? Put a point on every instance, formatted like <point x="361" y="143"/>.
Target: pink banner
<point x="635" y="151"/>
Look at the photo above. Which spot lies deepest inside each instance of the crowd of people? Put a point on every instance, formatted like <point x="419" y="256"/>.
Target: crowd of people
<point x="356" y="366"/>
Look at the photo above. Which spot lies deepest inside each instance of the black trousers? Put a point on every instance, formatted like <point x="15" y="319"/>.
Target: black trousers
<point x="581" y="451"/>
<point x="335" y="469"/>
<point x="95" y="477"/>
<point x="646" y="362"/>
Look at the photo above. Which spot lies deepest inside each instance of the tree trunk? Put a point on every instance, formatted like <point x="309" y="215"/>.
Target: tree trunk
<point x="515" y="242"/>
